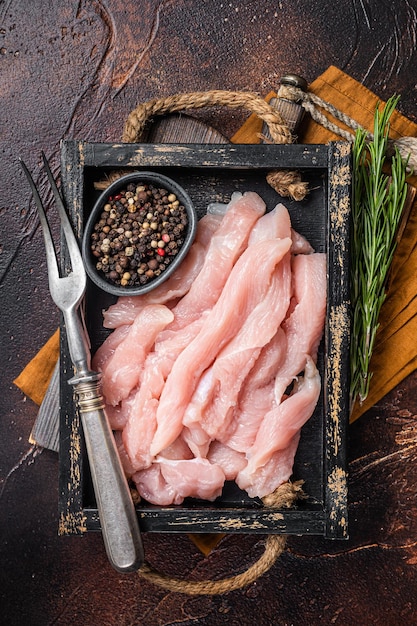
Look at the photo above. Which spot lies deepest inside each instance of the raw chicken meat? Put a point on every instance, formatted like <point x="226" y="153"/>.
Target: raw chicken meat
<point x="279" y="426"/>
<point x="268" y="477"/>
<point x="123" y="368"/>
<point x="304" y="326"/>
<point x="140" y="416"/>
<point x="211" y="376"/>
<point x="108" y="347"/>
<point x="238" y="357"/>
<point x="246" y="286"/>
<point x="275" y="224"/>
<point x="300" y="245"/>
<point x="225" y="247"/>
<point x="229" y="460"/>
<point x="169" y="482"/>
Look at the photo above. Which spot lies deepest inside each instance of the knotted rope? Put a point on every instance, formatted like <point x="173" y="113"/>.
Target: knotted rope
<point x="314" y="105"/>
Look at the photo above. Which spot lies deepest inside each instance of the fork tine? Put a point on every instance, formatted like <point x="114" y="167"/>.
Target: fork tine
<point x="51" y="260"/>
<point x="72" y="245"/>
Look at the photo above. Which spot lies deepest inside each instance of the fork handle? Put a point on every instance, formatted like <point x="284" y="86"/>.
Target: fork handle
<point x="117" y="513"/>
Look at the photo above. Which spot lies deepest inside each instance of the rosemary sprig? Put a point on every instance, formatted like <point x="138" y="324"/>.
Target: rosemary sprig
<point x="377" y="203"/>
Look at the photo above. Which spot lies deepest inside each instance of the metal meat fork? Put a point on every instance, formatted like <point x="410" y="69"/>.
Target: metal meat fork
<point x="118" y="518"/>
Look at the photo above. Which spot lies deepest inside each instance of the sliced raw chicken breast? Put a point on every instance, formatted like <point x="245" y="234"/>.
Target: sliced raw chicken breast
<point x="123" y="369"/>
<point x="246" y="286"/>
<point x="224" y="249"/>
<point x="281" y="424"/>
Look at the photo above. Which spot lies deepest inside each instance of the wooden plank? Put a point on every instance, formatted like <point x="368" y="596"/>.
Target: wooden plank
<point x="182" y="155"/>
<point x="45" y="431"/>
<point x="338" y="341"/>
<point x="71" y="444"/>
<point x="181" y="128"/>
<point x="222" y="520"/>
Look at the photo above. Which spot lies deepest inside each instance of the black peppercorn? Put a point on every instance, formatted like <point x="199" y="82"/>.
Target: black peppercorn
<point x="139" y="232"/>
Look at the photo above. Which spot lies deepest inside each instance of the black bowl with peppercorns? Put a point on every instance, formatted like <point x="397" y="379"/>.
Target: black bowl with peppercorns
<point x="139" y="231"/>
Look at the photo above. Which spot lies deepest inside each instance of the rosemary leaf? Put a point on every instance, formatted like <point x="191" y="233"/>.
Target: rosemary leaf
<point x="377" y="203"/>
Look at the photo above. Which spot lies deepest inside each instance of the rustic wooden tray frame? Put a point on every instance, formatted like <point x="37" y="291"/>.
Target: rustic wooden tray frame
<point x="212" y="172"/>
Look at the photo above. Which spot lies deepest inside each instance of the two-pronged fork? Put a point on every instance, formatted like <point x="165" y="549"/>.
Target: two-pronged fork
<point x="116" y="510"/>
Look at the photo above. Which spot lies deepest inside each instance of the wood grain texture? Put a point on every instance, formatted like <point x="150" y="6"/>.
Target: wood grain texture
<point x="76" y="69"/>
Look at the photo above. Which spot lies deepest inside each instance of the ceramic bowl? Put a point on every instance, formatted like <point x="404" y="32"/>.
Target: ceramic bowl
<point x="104" y="280"/>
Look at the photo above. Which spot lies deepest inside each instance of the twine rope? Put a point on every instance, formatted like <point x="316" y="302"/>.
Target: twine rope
<point x="286" y="183"/>
<point x="406" y="146"/>
<point x="138" y="118"/>
<point x="283" y="497"/>
<point x="310" y="102"/>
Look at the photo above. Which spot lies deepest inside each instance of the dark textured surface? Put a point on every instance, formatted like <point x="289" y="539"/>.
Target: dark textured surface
<point x="75" y="70"/>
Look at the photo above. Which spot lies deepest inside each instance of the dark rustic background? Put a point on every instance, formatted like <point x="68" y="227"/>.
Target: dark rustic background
<point x="75" y="70"/>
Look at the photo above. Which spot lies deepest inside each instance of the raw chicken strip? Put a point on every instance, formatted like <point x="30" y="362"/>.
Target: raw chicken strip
<point x="177" y="451"/>
<point x="268" y="363"/>
<point x="117" y="415"/>
<point x="193" y="478"/>
<point x="122" y="370"/>
<point x="225" y="247"/>
<point x="207" y="226"/>
<point x="275" y="224"/>
<point x="237" y="358"/>
<point x="248" y="416"/>
<point x="300" y="245"/>
<point x="140" y="421"/>
<point x="277" y="470"/>
<point x="257" y="394"/>
<point x="304" y="326"/>
<point x="107" y="348"/>
<point x="196" y="436"/>
<point x="124" y="458"/>
<point x="127" y="307"/>
<point x="197" y="439"/>
<point x="229" y="460"/>
<point x="141" y="415"/>
<point x="152" y="486"/>
<point x="216" y="395"/>
<point x="169" y="482"/>
<point x="281" y="424"/>
<point x="246" y="286"/>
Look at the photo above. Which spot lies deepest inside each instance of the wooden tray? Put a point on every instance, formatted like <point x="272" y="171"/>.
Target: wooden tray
<point x="211" y="173"/>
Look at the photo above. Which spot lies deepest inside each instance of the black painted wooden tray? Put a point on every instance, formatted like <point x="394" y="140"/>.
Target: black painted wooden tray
<point x="211" y="173"/>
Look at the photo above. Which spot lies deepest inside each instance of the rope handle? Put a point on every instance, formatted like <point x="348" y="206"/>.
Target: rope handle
<point x="283" y="497"/>
<point x="138" y="118"/>
<point x="314" y="105"/>
<point x="274" y="546"/>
